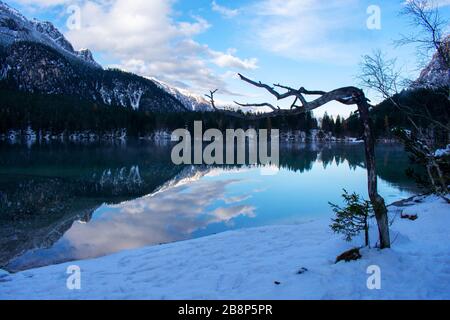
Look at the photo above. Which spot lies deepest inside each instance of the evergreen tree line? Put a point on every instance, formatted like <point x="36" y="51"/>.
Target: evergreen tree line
<point x="61" y="113"/>
<point x="67" y="114"/>
<point x="423" y="106"/>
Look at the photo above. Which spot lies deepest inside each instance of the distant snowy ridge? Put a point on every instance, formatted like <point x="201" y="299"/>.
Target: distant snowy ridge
<point x="190" y="101"/>
<point x="15" y="27"/>
<point x="437" y="73"/>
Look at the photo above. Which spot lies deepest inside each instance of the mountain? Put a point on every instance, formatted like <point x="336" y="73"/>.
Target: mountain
<point x="35" y="57"/>
<point x="437" y="73"/>
<point x="15" y="27"/>
<point x="190" y="101"/>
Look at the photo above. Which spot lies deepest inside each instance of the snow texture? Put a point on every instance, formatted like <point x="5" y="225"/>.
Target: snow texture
<point x="440" y="153"/>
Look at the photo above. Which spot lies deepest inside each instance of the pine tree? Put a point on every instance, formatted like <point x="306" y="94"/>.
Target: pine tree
<point x="387" y="127"/>
<point x="352" y="219"/>
<point x="338" y="127"/>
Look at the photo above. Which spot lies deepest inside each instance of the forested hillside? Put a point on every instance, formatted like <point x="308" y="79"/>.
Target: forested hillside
<point x="423" y="104"/>
<point x="66" y="114"/>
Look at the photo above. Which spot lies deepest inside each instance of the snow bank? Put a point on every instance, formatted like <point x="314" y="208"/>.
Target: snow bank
<point x="440" y="153"/>
<point x="246" y="264"/>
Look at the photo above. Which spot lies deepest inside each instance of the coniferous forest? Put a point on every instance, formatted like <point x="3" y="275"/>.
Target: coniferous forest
<point x="63" y="113"/>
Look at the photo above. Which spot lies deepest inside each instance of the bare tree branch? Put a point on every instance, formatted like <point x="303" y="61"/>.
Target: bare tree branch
<point x="211" y="98"/>
<point x="425" y="14"/>
<point x="347" y="96"/>
<point x="257" y="105"/>
<point x="301" y="90"/>
<point x="268" y="88"/>
<point x="382" y="75"/>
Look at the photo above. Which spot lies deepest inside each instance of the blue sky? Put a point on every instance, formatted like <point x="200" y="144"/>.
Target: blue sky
<point x="201" y="44"/>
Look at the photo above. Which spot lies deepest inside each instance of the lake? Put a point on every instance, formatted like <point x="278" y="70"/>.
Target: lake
<point x="64" y="202"/>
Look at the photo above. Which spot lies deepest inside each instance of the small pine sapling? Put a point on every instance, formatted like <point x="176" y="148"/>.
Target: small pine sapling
<point x="353" y="218"/>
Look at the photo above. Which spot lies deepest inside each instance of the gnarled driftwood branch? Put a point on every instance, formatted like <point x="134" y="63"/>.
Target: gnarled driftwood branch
<point x="345" y="95"/>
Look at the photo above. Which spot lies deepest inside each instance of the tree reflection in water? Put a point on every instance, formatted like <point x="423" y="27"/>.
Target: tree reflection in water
<point x="132" y="196"/>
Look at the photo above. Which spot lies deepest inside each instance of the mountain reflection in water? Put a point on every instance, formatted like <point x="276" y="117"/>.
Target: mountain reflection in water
<point x="63" y="203"/>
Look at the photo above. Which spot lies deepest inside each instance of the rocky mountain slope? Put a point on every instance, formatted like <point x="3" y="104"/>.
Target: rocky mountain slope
<point x="15" y="27"/>
<point x="36" y="57"/>
<point x="190" y="101"/>
<point x="437" y="73"/>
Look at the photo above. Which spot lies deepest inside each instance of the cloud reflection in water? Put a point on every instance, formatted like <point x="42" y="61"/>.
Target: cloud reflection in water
<point x="166" y="216"/>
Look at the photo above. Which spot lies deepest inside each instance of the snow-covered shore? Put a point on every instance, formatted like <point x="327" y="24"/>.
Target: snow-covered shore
<point x="263" y="263"/>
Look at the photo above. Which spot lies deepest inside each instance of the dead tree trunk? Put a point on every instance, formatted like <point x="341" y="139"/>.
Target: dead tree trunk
<point x="347" y="96"/>
<point x="379" y="206"/>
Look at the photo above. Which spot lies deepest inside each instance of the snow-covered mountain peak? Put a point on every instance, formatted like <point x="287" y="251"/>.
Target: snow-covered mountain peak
<point x="15" y="27"/>
<point x="437" y="72"/>
<point x="86" y="55"/>
<point x="190" y="101"/>
<point x="47" y="28"/>
<point x="7" y="9"/>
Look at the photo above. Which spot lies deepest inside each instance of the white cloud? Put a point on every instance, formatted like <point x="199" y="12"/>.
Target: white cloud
<point x="144" y="37"/>
<point x="307" y="29"/>
<point x="190" y="68"/>
<point x="443" y="3"/>
<point x="229" y="60"/>
<point x="224" y="11"/>
<point x="145" y="221"/>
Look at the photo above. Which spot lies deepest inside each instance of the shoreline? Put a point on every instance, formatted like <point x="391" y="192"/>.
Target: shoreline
<point x="246" y="264"/>
<point x="30" y="136"/>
